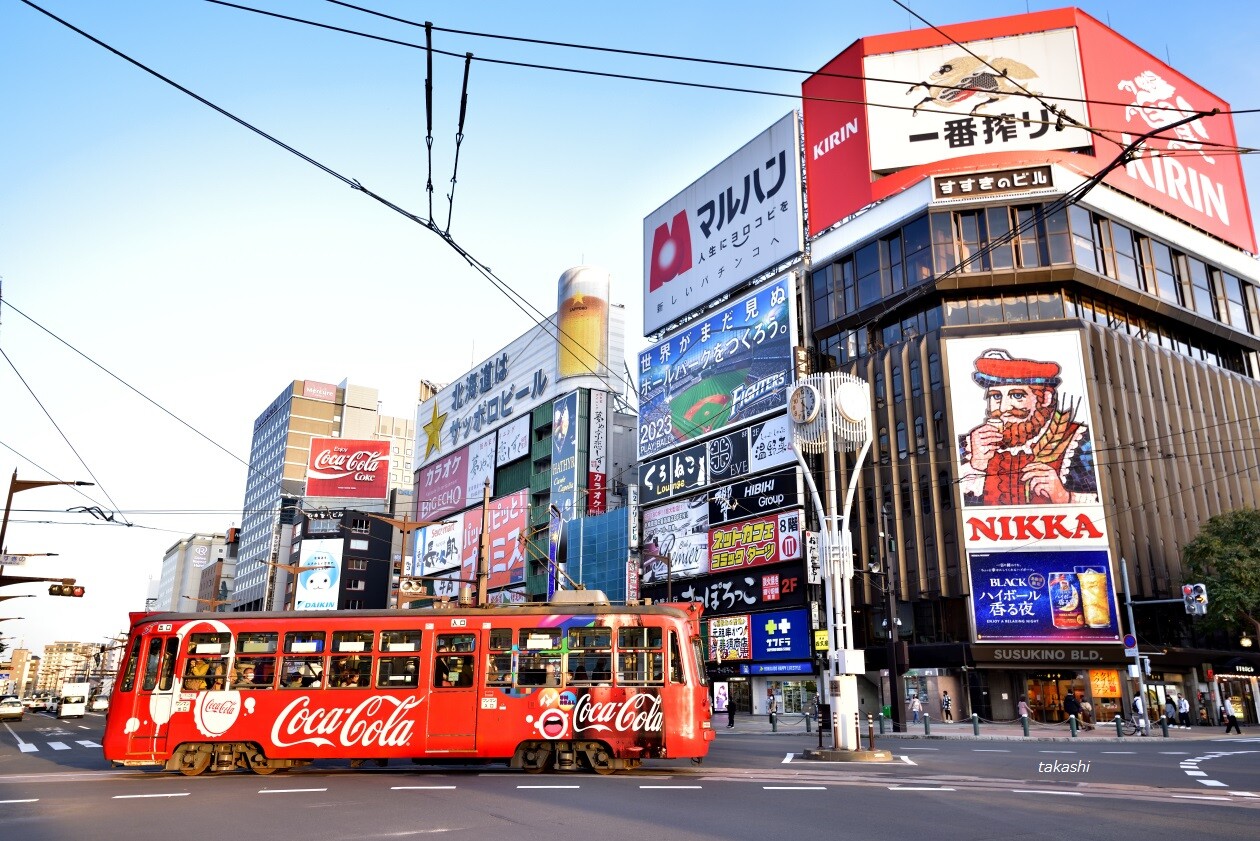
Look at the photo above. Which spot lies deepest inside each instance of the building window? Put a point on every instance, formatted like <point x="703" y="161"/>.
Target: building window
<point x="971" y="235"/>
<point x="359" y="525"/>
<point x="899" y="393"/>
<point x="934" y="371"/>
<point x="916" y="378"/>
<point x="920" y="435"/>
<point x="1235" y="307"/>
<point x="902" y="444"/>
<point x="357" y="563"/>
<point x="1201" y="288"/>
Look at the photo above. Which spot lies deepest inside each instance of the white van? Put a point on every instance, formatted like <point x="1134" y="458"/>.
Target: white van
<point x="73" y="700"/>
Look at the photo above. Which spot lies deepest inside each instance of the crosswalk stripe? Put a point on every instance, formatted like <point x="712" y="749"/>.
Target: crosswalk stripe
<point x="27" y="747"/>
<point x="87" y="743"/>
<point x="58" y="746"/>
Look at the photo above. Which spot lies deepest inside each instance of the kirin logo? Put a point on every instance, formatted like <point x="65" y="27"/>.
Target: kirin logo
<point x="1153" y="101"/>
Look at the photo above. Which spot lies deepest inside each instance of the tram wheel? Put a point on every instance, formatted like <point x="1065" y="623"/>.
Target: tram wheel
<point x="602" y="762"/>
<point x="259" y="765"/>
<point x="194" y="759"/>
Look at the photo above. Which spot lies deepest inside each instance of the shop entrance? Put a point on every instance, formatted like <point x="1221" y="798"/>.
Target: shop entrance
<point x="798" y="696"/>
<point x="740" y="695"/>
<point x="1045" y="692"/>
<point x="1238" y="691"/>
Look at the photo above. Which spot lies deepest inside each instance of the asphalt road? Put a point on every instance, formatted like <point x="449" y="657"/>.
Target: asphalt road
<point x="55" y="785"/>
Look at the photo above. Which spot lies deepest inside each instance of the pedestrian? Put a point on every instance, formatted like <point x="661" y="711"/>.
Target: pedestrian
<point x="916" y="708"/>
<point x="1170" y="711"/>
<point x="1072" y="707"/>
<point x="1231" y="718"/>
<point x="1021" y="709"/>
<point x="1138" y="711"/>
<point x="730" y="712"/>
<point x="1183" y="712"/>
<point x="947" y="706"/>
<point x="1087" y="715"/>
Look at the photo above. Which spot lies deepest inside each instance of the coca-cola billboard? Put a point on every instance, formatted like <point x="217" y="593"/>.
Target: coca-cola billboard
<point x="342" y="468"/>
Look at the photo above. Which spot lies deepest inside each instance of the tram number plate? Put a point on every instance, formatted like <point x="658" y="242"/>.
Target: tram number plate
<point x="489" y="704"/>
<point x="459" y="623"/>
<point x="183" y="706"/>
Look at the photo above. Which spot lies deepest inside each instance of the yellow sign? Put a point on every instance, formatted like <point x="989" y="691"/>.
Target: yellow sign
<point x="1104" y="683"/>
<point x="820" y="640"/>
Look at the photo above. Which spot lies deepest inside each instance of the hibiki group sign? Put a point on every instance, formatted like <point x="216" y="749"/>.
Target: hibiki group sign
<point x="733" y="366"/>
<point x="338" y="467"/>
<point x="740" y="219"/>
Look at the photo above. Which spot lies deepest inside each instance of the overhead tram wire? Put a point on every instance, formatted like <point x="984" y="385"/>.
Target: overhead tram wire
<point x="533" y="313"/>
<point x="60" y="431"/>
<point x="543" y="42"/>
<point x="459" y="139"/>
<point x="428" y="113"/>
<point x="795" y="96"/>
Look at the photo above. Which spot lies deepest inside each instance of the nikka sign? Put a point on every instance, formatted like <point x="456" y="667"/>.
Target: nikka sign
<point x="358" y="469"/>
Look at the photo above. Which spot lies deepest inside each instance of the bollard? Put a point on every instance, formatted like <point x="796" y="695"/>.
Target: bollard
<point x="808" y="722"/>
<point x="1163" y="723"/>
<point x="870" y="732"/>
<point x="857" y="729"/>
<point x="975" y="724"/>
<point x="1024" y="719"/>
<point x="881" y="724"/>
<point x="927" y="725"/>
<point x="1119" y="728"/>
<point x="774" y="723"/>
<point x="1072" y="725"/>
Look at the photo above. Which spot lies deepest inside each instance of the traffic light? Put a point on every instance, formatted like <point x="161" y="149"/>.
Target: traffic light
<point x="1187" y="598"/>
<point x="66" y="588"/>
<point x="1200" y="599"/>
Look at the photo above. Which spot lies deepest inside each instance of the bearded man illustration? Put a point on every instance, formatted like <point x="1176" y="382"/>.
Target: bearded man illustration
<point x="1030" y="450"/>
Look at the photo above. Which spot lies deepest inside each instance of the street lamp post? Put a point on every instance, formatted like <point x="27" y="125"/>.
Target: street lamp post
<point x="888" y="552"/>
<point x="831" y="412"/>
<point x="17" y="485"/>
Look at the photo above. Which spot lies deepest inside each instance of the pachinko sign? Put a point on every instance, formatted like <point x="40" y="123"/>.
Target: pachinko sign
<point x="358" y="469"/>
<point x="731" y="367"/>
<point x="740" y="219"/>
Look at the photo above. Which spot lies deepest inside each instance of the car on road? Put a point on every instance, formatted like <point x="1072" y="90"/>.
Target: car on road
<point x="11" y="709"/>
<point x="99" y="704"/>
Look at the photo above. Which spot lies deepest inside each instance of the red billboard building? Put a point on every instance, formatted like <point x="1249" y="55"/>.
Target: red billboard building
<point x="1064" y="371"/>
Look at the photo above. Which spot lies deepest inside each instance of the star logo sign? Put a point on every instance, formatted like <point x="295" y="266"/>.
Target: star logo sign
<point x="433" y="429"/>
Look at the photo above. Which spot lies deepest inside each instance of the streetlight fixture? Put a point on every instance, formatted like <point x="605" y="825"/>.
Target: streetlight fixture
<point x="831" y="412"/>
<point x="1245" y="641"/>
<point x="17" y="485"/>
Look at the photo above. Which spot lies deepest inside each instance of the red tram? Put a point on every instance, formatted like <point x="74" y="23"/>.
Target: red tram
<point x="540" y="687"/>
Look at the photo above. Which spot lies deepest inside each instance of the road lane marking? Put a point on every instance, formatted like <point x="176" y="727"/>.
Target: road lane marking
<point x="1174" y="752"/>
<point x="84" y="727"/>
<point x="28" y="800"/>
<point x="1244" y="794"/>
<point x="990" y="750"/>
<point x="908" y="760"/>
<point x="140" y="796"/>
<point x="921" y="788"/>
<point x="795" y="788"/>
<point x="420" y="788"/>
<point x="669" y="787"/>
<point x="543" y="786"/>
<point x="1212" y="783"/>
<point x="87" y="743"/>
<point x="27" y="747"/>
<point x="1056" y="751"/>
<point x="1198" y="797"/>
<point x="1196" y="773"/>
<point x="1044" y="791"/>
<point x="288" y="790"/>
<point x="920" y="748"/>
<point x="787" y="759"/>
<point x="1120" y="752"/>
<point x="58" y="746"/>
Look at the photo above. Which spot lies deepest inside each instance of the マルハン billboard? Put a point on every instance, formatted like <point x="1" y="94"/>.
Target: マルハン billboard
<point x="741" y="218"/>
<point x="344" y="468"/>
<point x="731" y="367"/>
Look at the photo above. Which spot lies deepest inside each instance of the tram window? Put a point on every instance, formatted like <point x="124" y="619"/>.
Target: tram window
<point x="254" y="673"/>
<point x="350" y="672"/>
<point x="304" y="642"/>
<point x="453" y="670"/>
<point x="133" y="665"/>
<point x="590" y="656"/>
<point x="206" y="666"/>
<point x="639" y="658"/>
<point x="540" y="639"/>
<point x="152" y="665"/>
<point x="697" y="652"/>
<point x="675" y="660"/>
<point x="352" y="641"/>
<point x="499" y="668"/>
<point x="302" y="672"/>
<point x="166" y="678"/>
<point x="256" y="642"/>
<point x="456" y="642"/>
<point x="400" y="640"/>
<point x="397" y="672"/>
<point x="537" y="669"/>
<point x="500" y="639"/>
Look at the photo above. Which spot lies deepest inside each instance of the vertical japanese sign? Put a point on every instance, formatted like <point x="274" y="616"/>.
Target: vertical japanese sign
<point x="565" y="426"/>
<point x="732" y="367"/>
<point x="741" y="218"/>
<point x="1034" y="526"/>
<point x="597" y="471"/>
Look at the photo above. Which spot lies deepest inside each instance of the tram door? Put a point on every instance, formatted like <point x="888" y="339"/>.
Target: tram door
<point x="455" y="691"/>
<point x="154" y="698"/>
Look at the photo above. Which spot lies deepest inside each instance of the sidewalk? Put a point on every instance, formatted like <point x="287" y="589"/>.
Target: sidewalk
<point x="793" y="724"/>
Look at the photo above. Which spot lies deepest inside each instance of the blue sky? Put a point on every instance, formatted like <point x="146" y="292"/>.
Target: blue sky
<point x="207" y="267"/>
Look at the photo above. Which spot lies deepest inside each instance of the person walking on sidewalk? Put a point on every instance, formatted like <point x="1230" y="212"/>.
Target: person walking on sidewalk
<point x="1170" y="711"/>
<point x="1072" y="707"/>
<point x="1183" y="712"/>
<point x="1021" y="709"/>
<point x="947" y="706"/>
<point x="1231" y="718"/>
<point x="730" y="712"/>
<point x="916" y="707"/>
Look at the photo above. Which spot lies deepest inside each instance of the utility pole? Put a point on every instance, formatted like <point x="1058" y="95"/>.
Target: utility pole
<point x="895" y="704"/>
